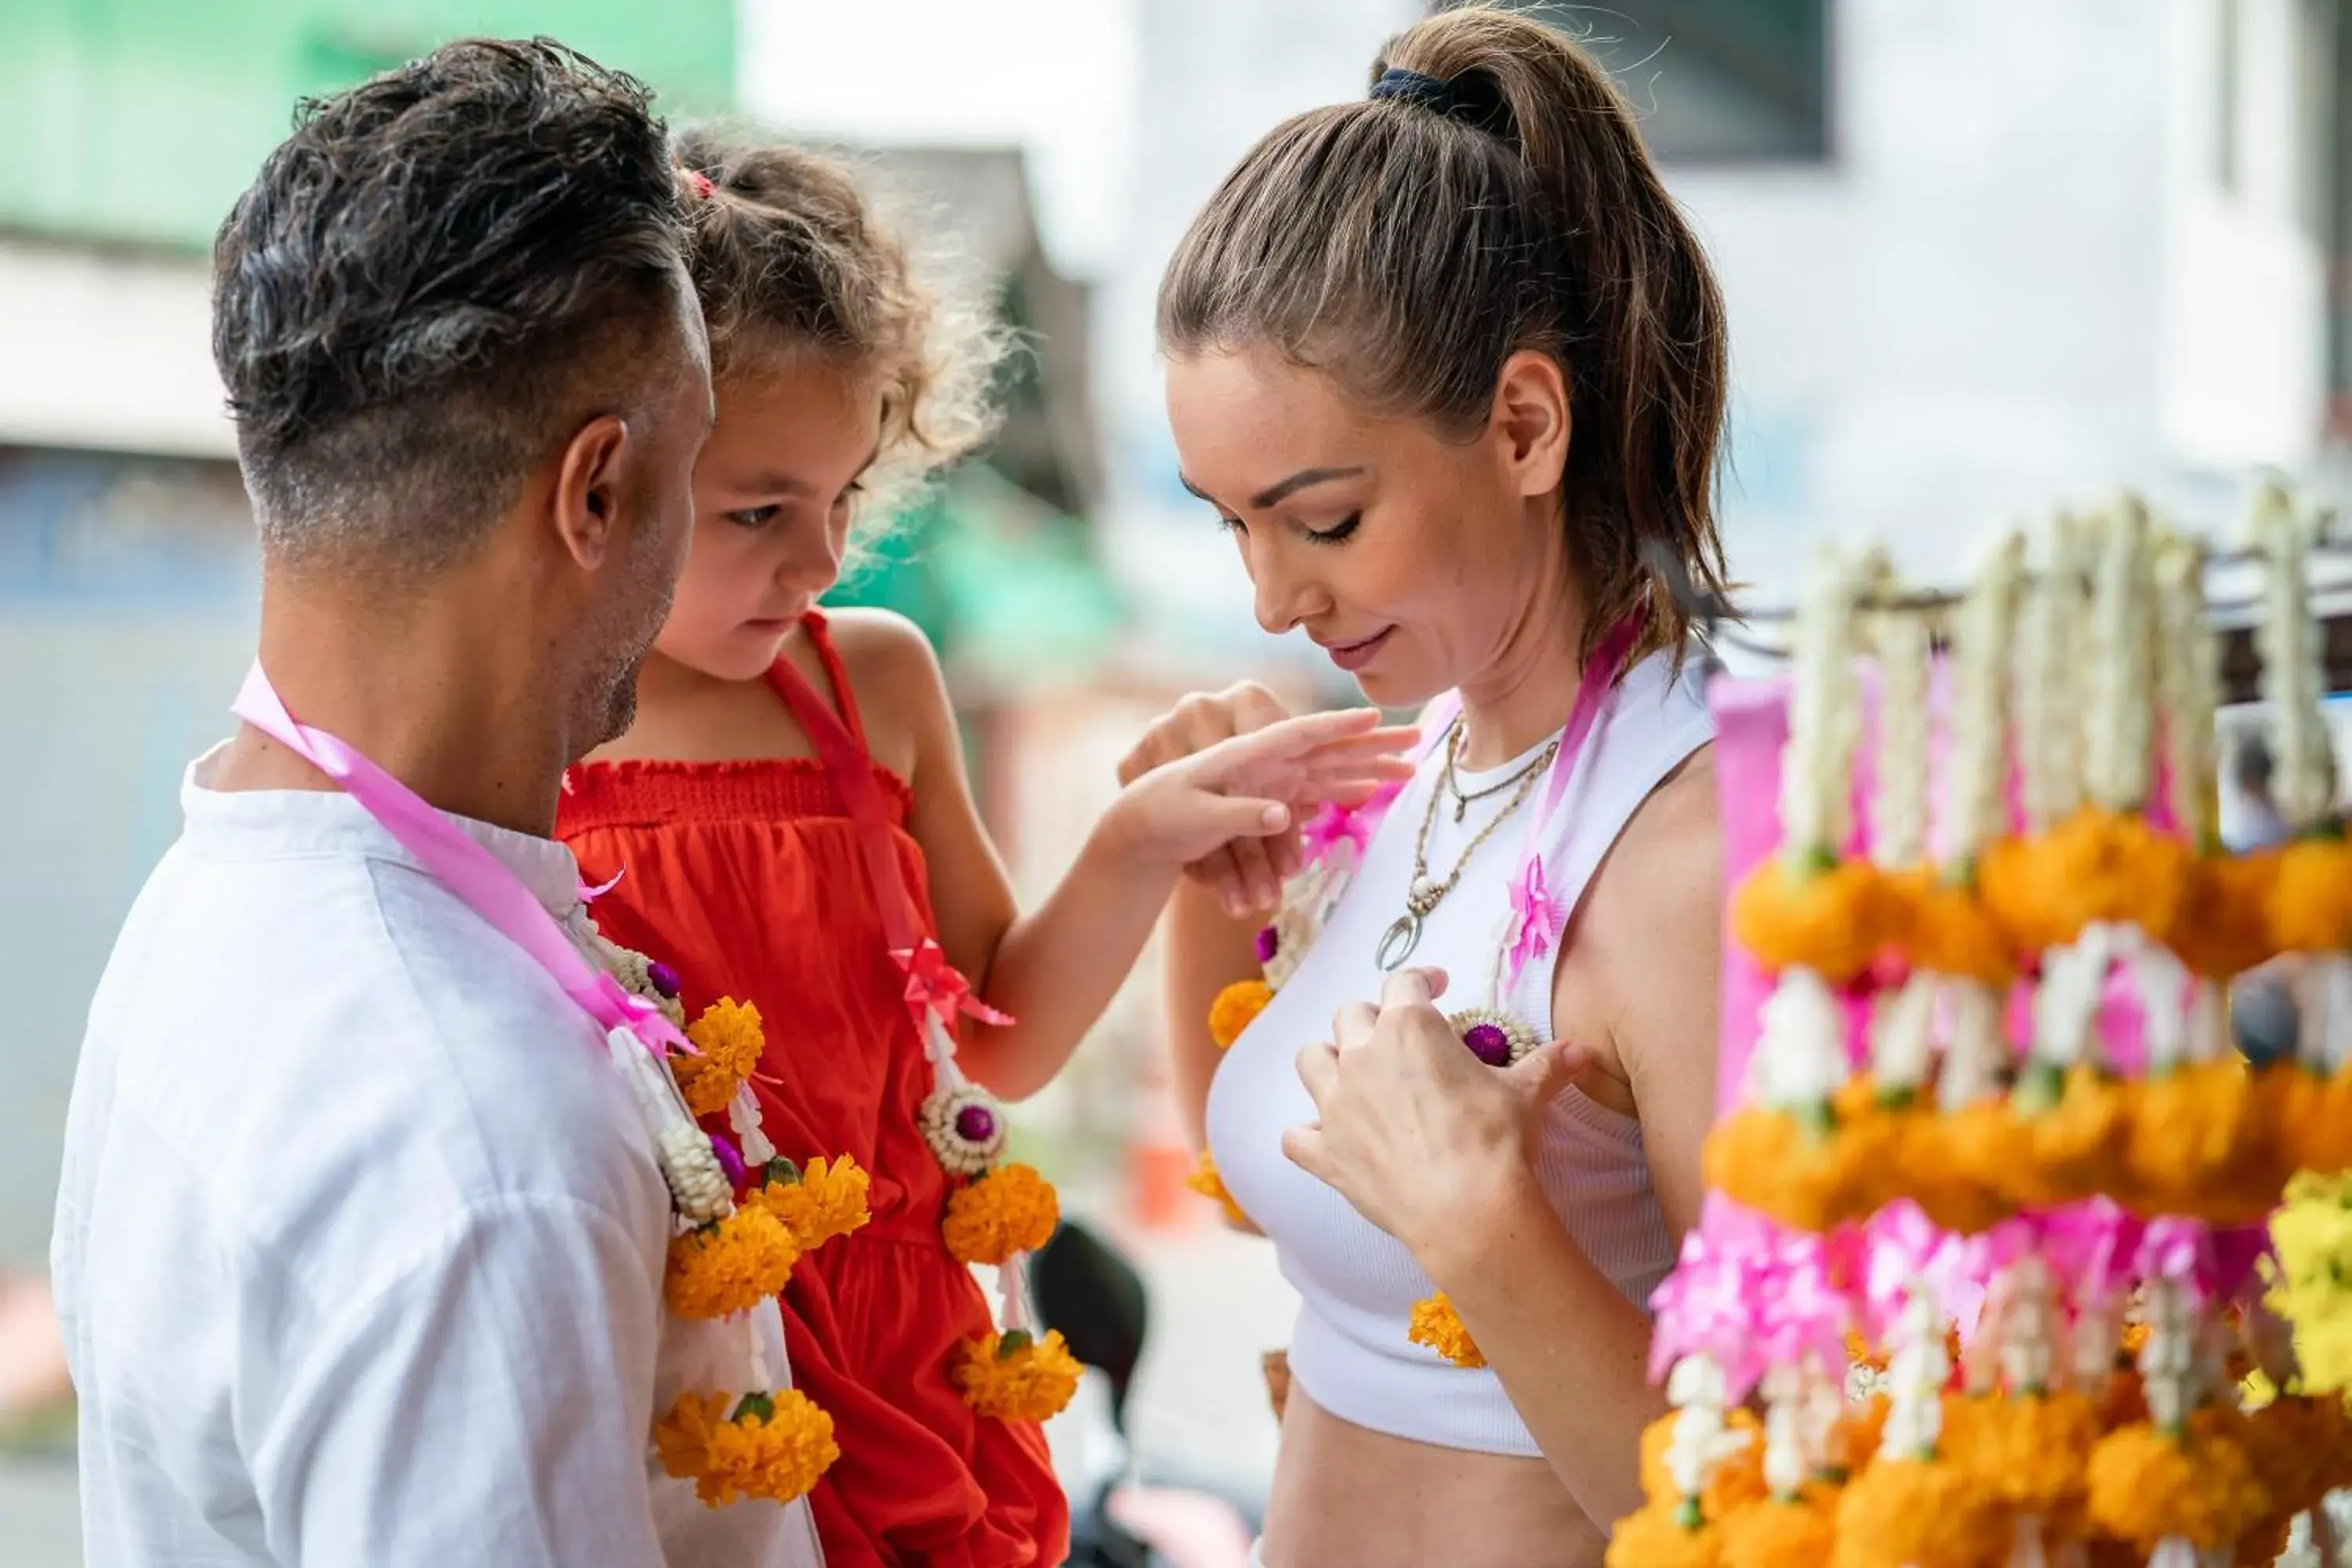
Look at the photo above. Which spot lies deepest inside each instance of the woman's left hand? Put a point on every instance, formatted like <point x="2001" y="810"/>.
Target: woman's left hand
<point x="1416" y="1132"/>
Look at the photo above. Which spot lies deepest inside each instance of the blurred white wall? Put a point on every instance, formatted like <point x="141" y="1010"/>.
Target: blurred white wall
<point x="108" y="351"/>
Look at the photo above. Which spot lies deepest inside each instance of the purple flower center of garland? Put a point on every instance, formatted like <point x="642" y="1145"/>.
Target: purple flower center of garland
<point x="730" y="1161"/>
<point x="663" y="978"/>
<point x="975" y="1124"/>
<point x="1269" y="942"/>
<point x="1488" y="1043"/>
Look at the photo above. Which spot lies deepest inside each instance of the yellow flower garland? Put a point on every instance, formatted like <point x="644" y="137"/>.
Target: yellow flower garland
<point x="775" y="1445"/>
<point x="816" y="1203"/>
<point x="2311" y="1284"/>
<point x="1436" y="1325"/>
<point x="1010" y="1209"/>
<point x="1015" y="1376"/>
<point x="718" y="1270"/>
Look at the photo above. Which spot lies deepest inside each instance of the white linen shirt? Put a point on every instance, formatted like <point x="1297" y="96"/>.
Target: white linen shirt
<point x="359" y="1235"/>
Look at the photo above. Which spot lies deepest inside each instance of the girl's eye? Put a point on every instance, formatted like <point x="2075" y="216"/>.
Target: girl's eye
<point x="754" y="517"/>
<point x="1230" y="524"/>
<point x="1338" y="532"/>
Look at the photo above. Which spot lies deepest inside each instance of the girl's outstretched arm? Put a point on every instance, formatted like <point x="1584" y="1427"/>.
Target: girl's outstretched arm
<point x="1055" y="968"/>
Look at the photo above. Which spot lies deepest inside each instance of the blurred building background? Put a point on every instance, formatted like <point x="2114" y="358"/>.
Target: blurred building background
<point x="1981" y="259"/>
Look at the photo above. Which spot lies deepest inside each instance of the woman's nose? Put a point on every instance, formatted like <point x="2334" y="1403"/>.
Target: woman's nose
<point x="1283" y="598"/>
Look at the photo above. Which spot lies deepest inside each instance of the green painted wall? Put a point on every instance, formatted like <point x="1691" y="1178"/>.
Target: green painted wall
<point x="140" y="120"/>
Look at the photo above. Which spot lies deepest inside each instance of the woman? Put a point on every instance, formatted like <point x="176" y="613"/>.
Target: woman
<point x="1451" y="366"/>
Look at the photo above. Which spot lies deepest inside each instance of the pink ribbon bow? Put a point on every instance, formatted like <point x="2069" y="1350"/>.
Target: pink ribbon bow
<point x="1538" y="917"/>
<point x="934" y="986"/>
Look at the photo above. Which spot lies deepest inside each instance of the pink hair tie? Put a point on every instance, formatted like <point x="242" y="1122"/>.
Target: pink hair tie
<point x="700" y="184"/>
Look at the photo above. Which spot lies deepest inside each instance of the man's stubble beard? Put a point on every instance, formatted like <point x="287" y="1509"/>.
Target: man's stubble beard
<point x="632" y="635"/>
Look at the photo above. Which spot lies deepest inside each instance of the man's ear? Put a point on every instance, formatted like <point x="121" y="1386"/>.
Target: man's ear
<point x="586" y="485"/>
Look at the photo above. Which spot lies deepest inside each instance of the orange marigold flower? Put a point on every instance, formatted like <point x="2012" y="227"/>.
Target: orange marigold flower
<point x="1235" y="1009"/>
<point x="1831" y="919"/>
<point x="2301" y="1446"/>
<point x="728" y="1036"/>
<point x="1953" y="1164"/>
<point x="1782" y="1532"/>
<point x="776" y="1445"/>
<point x="2311" y="896"/>
<point x="826" y="1198"/>
<point x="2073" y="1128"/>
<point x="2225" y="927"/>
<point x="2187" y="1127"/>
<point x="1661" y="1536"/>
<point x="1205" y="1180"/>
<point x="1918" y="1513"/>
<point x="1015" y="1377"/>
<point x="2032" y="1452"/>
<point x="2095" y="866"/>
<point x="1011" y="1210"/>
<point x="718" y="1270"/>
<point x="2313" y="1117"/>
<point x="1437" y="1326"/>
<point x="1779" y="1165"/>
<point x="2147" y="1485"/>
<point x="1948" y="929"/>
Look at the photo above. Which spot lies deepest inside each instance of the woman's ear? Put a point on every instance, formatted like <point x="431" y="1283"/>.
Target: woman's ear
<point x="1529" y="423"/>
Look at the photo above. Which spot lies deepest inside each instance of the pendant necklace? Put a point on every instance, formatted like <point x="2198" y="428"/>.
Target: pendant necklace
<point x="1423" y="896"/>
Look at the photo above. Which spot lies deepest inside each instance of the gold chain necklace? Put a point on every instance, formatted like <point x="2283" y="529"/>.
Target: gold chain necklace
<point x="1423" y="896"/>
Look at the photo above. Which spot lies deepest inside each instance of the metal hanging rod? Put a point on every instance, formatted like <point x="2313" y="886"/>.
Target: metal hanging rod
<point x="1720" y="621"/>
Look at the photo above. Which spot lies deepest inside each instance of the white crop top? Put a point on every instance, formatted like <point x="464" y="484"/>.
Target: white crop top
<point x="1357" y="1284"/>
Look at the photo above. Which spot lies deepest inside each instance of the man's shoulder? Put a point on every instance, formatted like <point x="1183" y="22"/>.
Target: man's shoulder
<point x="345" y="1026"/>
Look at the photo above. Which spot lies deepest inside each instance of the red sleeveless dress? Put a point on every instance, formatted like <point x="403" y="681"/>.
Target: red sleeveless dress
<point x="750" y="879"/>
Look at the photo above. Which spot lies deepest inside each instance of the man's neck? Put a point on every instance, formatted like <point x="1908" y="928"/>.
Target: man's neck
<point x="450" y="699"/>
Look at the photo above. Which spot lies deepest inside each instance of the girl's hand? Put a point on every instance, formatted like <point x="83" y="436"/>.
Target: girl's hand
<point x="1422" y="1137"/>
<point x="1253" y="787"/>
<point x="1244" y="873"/>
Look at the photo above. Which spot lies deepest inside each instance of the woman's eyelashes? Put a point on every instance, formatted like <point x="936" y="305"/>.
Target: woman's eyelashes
<point x="1338" y="534"/>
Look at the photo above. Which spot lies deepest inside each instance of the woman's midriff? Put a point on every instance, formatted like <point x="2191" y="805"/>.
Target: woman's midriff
<point x="1345" y="1495"/>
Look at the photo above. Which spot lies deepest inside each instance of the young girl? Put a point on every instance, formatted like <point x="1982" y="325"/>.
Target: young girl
<point x="795" y="830"/>
<point x="1449" y="365"/>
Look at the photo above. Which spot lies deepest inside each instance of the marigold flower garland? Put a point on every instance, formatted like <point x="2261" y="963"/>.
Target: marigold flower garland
<point x="734" y="1250"/>
<point x="2093" y="1405"/>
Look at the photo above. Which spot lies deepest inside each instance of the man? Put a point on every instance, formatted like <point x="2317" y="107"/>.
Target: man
<point x="360" y="1239"/>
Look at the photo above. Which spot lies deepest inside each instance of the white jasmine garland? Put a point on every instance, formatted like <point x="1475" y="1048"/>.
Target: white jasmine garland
<point x="2293" y="681"/>
<point x="1900" y="758"/>
<point x="2188" y="682"/>
<point x="2119" y="722"/>
<point x="2046" y="671"/>
<point x="1977" y="768"/>
<point x="1825" y="718"/>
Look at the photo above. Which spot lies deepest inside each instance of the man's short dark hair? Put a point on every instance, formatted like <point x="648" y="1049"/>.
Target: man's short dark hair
<point x="431" y="283"/>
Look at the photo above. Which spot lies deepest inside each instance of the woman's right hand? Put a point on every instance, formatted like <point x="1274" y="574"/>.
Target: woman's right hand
<point x="1246" y="875"/>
